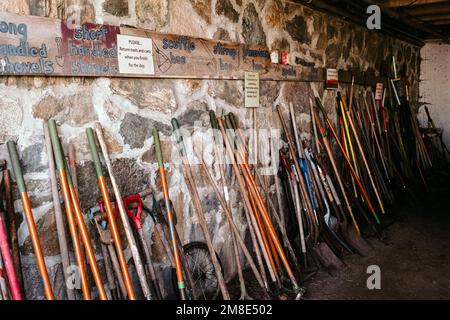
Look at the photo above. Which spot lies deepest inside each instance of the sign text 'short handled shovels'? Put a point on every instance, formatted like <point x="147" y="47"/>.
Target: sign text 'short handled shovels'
<point x="30" y="219"/>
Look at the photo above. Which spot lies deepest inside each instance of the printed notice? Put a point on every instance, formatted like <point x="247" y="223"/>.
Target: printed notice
<point x="379" y="91"/>
<point x="251" y="86"/>
<point x="135" y="55"/>
<point x="332" y="80"/>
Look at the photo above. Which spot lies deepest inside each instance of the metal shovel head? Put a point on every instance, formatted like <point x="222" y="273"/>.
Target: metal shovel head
<point x="356" y="241"/>
<point x="327" y="257"/>
<point x="331" y="221"/>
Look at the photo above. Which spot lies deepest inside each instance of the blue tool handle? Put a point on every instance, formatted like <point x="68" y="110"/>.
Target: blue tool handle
<point x="302" y="163"/>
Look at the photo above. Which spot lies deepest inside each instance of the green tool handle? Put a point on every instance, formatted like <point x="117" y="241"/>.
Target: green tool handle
<point x="214" y="125"/>
<point x="157" y="143"/>
<point x="17" y="170"/>
<point x="176" y="126"/>
<point x="179" y="136"/>
<point x="230" y="123"/>
<point x="232" y="120"/>
<point x="61" y="161"/>
<point x="68" y="174"/>
<point x="94" y="152"/>
<point x="57" y="150"/>
<point x="322" y="109"/>
<point x="232" y="135"/>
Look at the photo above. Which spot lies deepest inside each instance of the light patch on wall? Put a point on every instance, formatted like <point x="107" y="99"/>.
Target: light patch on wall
<point x="434" y="86"/>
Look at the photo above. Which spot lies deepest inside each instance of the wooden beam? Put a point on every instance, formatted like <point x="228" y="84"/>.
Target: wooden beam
<point x="441" y="22"/>
<point x="407" y="3"/>
<point x="432" y="17"/>
<point x="427" y="9"/>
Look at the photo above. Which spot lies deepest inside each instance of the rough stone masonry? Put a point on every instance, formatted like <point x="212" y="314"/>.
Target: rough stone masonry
<point x="129" y="108"/>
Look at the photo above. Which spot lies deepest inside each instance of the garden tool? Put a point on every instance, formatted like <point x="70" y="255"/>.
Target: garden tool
<point x="137" y="223"/>
<point x="111" y="221"/>
<point x="330" y="220"/>
<point x="228" y="213"/>
<point x="4" y="292"/>
<point x="260" y="205"/>
<point x="60" y="225"/>
<point x="346" y="158"/>
<point x="11" y="223"/>
<point x="190" y="183"/>
<point x="170" y="219"/>
<point x="98" y="219"/>
<point x="75" y="218"/>
<point x="8" y="262"/>
<point x="278" y="217"/>
<point x="220" y="161"/>
<point x="30" y="219"/>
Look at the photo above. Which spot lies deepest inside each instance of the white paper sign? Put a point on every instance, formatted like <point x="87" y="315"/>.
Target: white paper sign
<point x="251" y="86"/>
<point x="135" y="55"/>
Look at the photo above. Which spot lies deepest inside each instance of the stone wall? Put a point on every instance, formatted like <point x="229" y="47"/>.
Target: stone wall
<point x="129" y="108"/>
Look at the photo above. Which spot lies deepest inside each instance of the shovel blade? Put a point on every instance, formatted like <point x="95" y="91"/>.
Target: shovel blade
<point x="356" y="241"/>
<point x="327" y="257"/>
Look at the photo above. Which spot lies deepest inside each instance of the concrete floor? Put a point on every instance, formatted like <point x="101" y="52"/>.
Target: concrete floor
<point x="414" y="260"/>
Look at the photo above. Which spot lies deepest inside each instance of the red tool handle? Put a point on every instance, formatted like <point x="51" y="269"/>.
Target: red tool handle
<point x="7" y="260"/>
<point x="135" y="217"/>
<point x="100" y="206"/>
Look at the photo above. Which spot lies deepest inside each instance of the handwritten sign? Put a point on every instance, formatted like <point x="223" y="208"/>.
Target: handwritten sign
<point x="251" y="89"/>
<point x="135" y="55"/>
<point x="31" y="45"/>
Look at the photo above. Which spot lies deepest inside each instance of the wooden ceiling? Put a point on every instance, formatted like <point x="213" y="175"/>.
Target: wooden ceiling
<point x="432" y="14"/>
<point x="416" y="21"/>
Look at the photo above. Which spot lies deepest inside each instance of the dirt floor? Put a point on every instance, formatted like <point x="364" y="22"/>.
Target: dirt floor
<point x="414" y="258"/>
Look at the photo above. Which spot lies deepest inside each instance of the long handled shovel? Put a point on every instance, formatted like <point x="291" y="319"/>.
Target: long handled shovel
<point x="361" y="151"/>
<point x="278" y="217"/>
<point x="111" y="221"/>
<point x="60" y="226"/>
<point x="250" y="205"/>
<point x="259" y="202"/>
<point x="137" y="223"/>
<point x="190" y="182"/>
<point x="8" y="262"/>
<point x="234" y="240"/>
<point x="12" y="226"/>
<point x="30" y="219"/>
<point x="353" y="238"/>
<point x="4" y="292"/>
<point x="346" y="158"/>
<point x="170" y="218"/>
<point x="97" y="217"/>
<point x="233" y="227"/>
<point x="73" y="208"/>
